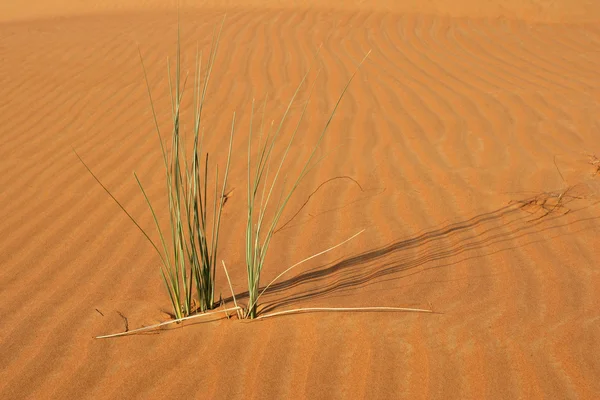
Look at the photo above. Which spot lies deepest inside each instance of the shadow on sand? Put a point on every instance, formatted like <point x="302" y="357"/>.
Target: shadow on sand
<point x="514" y="226"/>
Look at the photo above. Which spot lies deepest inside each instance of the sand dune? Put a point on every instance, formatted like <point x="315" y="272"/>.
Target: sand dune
<point x="470" y="130"/>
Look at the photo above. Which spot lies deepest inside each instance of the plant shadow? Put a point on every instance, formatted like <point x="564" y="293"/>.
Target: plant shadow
<point x="510" y="227"/>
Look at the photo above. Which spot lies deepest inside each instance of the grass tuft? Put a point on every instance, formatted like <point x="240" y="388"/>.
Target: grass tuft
<point x="194" y="236"/>
<point x="188" y="250"/>
<point x="259" y="228"/>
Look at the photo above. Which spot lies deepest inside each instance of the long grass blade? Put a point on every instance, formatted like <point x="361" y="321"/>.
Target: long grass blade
<point x="345" y="309"/>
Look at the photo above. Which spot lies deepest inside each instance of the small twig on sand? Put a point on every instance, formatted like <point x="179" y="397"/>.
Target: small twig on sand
<point x="558" y="169"/>
<point x="126" y="321"/>
<point x="544" y="202"/>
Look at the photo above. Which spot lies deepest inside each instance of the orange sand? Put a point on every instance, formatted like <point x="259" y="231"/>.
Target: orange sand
<point x="455" y="122"/>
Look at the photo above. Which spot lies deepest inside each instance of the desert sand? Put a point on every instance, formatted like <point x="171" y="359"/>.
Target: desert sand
<point x="471" y="132"/>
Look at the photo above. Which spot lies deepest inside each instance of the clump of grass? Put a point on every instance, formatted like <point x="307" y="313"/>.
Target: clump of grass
<point x="189" y="257"/>
<point x="194" y="240"/>
<point x="189" y="253"/>
<point x="262" y="221"/>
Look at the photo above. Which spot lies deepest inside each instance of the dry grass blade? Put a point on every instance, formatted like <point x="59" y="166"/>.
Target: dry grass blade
<point x="151" y="327"/>
<point x="345" y="309"/>
<point x="239" y="309"/>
